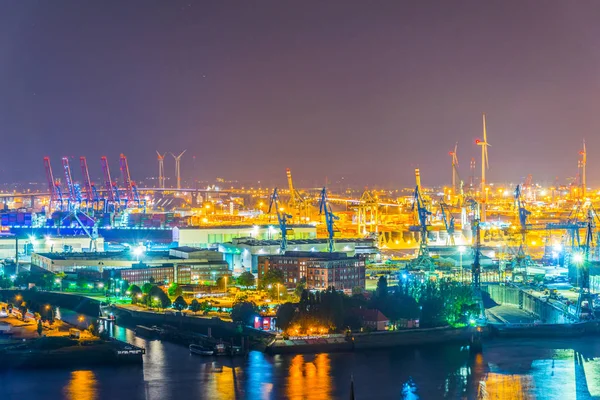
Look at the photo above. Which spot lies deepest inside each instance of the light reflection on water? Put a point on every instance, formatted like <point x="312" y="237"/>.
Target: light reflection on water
<point x="82" y="386"/>
<point x="507" y="370"/>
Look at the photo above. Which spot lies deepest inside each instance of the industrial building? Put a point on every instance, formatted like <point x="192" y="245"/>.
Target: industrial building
<point x="321" y="270"/>
<point x="46" y="244"/>
<point x="177" y="257"/>
<point x="193" y="273"/>
<point x="242" y="254"/>
<point x="213" y="236"/>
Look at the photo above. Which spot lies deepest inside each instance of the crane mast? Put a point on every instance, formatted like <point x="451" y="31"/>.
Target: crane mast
<point x="51" y="182"/>
<point x="87" y="184"/>
<point x="282" y="219"/>
<point x="330" y="218"/>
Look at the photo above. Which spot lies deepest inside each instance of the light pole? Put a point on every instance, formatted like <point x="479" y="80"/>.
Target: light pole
<point x="278" y="298"/>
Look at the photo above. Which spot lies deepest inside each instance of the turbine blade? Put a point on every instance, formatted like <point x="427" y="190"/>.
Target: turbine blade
<point x="484" y="130"/>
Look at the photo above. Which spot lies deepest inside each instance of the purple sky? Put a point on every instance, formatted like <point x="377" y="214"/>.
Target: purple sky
<point x="367" y="90"/>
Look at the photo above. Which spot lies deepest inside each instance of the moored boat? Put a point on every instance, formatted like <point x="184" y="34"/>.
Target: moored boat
<point x="202" y="351"/>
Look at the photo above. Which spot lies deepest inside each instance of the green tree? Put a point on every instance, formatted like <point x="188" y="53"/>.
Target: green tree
<point x="300" y="287"/>
<point x="175" y="290"/>
<point x="157" y="297"/>
<point x="246" y="279"/>
<point x="357" y="290"/>
<point x="285" y="316"/>
<point x="146" y="287"/>
<point x="272" y="277"/>
<point x="205" y="307"/>
<point x="194" y="306"/>
<point x="134" y="292"/>
<point x="244" y="312"/>
<point x="180" y="304"/>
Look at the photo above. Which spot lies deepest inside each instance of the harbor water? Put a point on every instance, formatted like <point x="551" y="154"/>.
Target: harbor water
<point x="508" y="369"/>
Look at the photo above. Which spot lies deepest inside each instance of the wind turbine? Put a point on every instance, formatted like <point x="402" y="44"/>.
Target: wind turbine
<point x="484" y="165"/>
<point x="161" y="170"/>
<point x="454" y="156"/>
<point x="177" y="169"/>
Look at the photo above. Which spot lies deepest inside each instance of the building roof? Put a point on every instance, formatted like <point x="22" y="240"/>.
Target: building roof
<point x="313" y="254"/>
<point x="371" y="315"/>
<point x="256" y="242"/>
<point x="188" y="249"/>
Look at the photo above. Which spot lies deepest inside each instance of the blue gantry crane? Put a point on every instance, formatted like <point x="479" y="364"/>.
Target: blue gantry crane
<point x="423" y="259"/>
<point x="282" y="218"/>
<point x="330" y="218"/>
<point x="448" y="219"/>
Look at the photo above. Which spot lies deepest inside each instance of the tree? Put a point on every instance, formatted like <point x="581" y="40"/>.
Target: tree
<point x="300" y="287"/>
<point x="180" y="304"/>
<point x="134" y="291"/>
<point x="152" y="280"/>
<point x="382" y="287"/>
<point x="272" y="277"/>
<point x="246" y="279"/>
<point x="285" y="316"/>
<point x="194" y="306"/>
<point x="244" y="312"/>
<point x="357" y="290"/>
<point x="146" y="287"/>
<point x="157" y="297"/>
<point x="175" y="290"/>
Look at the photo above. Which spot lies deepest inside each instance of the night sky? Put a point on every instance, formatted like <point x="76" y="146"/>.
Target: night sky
<point x="367" y="90"/>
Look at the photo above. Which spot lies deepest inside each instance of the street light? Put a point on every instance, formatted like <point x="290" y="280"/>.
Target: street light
<point x="278" y="294"/>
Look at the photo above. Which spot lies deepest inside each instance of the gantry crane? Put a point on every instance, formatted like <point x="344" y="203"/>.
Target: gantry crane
<point x="129" y="196"/>
<point x="282" y="218"/>
<point x="69" y="181"/>
<point x="585" y="300"/>
<point x="55" y="195"/>
<point x="448" y="223"/>
<point x="330" y="218"/>
<point x="522" y="259"/>
<point x="87" y="184"/>
<point x="419" y="207"/>
<point x="108" y="183"/>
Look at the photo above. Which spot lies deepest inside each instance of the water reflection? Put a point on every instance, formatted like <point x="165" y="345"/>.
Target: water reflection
<point x="309" y="379"/>
<point x="82" y="386"/>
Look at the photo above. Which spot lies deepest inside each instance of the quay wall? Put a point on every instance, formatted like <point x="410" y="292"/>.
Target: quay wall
<point x="545" y="311"/>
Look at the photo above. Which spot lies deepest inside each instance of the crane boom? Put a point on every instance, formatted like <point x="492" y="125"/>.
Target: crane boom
<point x="87" y="184"/>
<point x="50" y="179"/>
<point x="126" y="178"/>
<point x="69" y="179"/>
<point x="108" y="184"/>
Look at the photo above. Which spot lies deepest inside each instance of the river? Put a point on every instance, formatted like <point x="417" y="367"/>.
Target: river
<point x="508" y="369"/>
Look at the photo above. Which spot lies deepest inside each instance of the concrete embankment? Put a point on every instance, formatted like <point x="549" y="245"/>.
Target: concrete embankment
<point x="218" y="327"/>
<point x="373" y="340"/>
<point x="543" y="310"/>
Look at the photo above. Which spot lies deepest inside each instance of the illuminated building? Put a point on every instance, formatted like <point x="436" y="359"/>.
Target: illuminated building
<point x="321" y="270"/>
